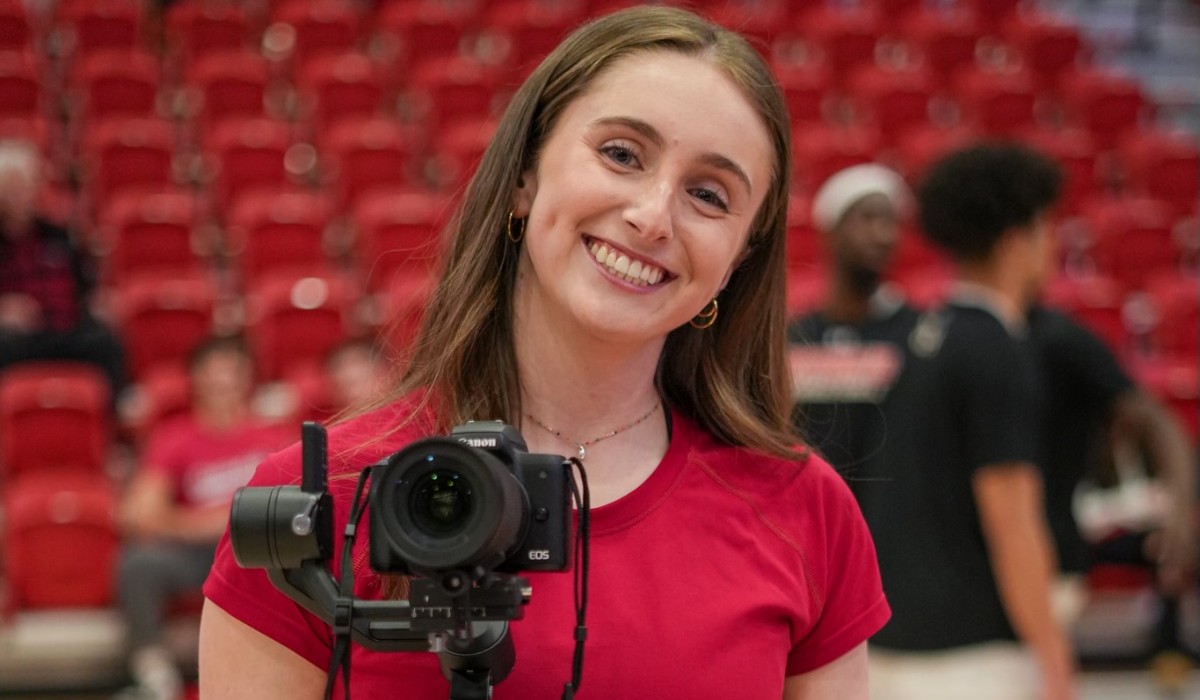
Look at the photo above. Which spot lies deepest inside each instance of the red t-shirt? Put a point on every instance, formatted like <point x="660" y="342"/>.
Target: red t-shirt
<point x="722" y="574"/>
<point x="206" y="466"/>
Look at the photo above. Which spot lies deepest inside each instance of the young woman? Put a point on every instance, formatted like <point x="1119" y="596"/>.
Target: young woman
<point x="614" y="286"/>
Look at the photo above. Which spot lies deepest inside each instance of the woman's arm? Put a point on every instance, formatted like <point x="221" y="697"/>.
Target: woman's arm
<point x="844" y="678"/>
<point x="237" y="661"/>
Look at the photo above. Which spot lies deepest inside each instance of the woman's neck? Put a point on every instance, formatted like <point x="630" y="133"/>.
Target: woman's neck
<point x="580" y="385"/>
<point x="576" y="388"/>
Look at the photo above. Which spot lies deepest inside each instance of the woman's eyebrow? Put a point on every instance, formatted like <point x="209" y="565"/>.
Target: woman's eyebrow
<point x="644" y="128"/>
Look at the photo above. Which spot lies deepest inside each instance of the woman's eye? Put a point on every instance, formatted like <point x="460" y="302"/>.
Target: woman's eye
<point x="621" y="155"/>
<point x="710" y="197"/>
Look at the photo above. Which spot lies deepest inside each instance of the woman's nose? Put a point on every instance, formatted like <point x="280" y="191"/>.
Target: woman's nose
<point x="651" y="211"/>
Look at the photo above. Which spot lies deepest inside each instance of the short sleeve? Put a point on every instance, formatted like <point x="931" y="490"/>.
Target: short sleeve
<point x="851" y="602"/>
<point x="248" y="594"/>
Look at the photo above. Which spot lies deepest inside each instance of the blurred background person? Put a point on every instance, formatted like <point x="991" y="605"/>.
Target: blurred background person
<point x="954" y="497"/>
<point x="177" y="504"/>
<point x="355" y="374"/>
<point x="46" y="279"/>
<point x="1096" y="415"/>
<point x="846" y="355"/>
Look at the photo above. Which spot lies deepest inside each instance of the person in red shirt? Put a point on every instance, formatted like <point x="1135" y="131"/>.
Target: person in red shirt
<point x="614" y="289"/>
<point x="177" y="503"/>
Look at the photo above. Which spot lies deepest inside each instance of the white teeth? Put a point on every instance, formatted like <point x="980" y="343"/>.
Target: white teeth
<point x="632" y="271"/>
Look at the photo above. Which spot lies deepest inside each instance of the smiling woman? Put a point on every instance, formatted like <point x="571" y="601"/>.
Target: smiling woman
<point x="614" y="287"/>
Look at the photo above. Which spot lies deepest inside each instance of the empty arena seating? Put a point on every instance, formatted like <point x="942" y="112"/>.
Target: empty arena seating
<point x="162" y="317"/>
<point x="294" y="321"/>
<point x="54" y="417"/>
<point x="60" y="541"/>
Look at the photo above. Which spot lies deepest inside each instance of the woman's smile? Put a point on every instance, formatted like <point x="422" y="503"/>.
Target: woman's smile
<point x="624" y="266"/>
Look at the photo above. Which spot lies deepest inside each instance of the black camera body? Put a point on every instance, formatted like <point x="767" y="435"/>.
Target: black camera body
<point x="474" y="502"/>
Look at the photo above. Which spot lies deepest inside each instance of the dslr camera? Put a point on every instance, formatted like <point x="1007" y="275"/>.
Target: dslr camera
<point x="474" y="502"/>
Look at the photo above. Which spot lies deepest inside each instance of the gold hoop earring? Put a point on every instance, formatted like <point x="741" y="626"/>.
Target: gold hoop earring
<point x="706" y="317"/>
<point x="508" y="229"/>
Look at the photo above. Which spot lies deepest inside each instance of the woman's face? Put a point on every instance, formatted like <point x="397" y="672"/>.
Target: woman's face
<point x="642" y="199"/>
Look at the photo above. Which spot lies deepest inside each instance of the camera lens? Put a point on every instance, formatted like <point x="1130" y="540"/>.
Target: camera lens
<point x="441" y="502"/>
<point x="439" y="505"/>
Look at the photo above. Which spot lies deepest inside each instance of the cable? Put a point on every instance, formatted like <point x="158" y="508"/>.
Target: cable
<point x="344" y="610"/>
<point x="583" y="530"/>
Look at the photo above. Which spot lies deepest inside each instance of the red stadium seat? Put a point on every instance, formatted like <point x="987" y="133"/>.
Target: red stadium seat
<point x="1132" y="238"/>
<point x="894" y="100"/>
<point x="456" y="88"/>
<point x="321" y="26"/>
<point x="150" y="233"/>
<point x="335" y="86"/>
<point x="460" y="149"/>
<point x="1095" y="301"/>
<point x="366" y="153"/>
<point x="162" y="319"/>
<point x="127" y="154"/>
<point x="847" y="36"/>
<point x="993" y="14"/>
<point x="426" y="29"/>
<point x="1176" y="300"/>
<point x="54" y="416"/>
<point x="20" y="85"/>
<point x="16" y="30"/>
<point x="996" y="100"/>
<point x="115" y="83"/>
<point x="821" y="150"/>
<point x="101" y="24"/>
<point x="534" y="27"/>
<point x="197" y="29"/>
<point x="228" y="84"/>
<point x="294" y="322"/>
<point x="249" y="154"/>
<point x="1105" y="103"/>
<point x="60" y="541"/>
<point x="278" y="233"/>
<point x="807" y="87"/>
<point x="1048" y="46"/>
<point x="1165" y="165"/>
<point x="946" y="40"/>
<point x="398" y="234"/>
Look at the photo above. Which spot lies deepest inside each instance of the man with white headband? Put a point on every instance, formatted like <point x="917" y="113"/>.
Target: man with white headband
<point x="846" y="355"/>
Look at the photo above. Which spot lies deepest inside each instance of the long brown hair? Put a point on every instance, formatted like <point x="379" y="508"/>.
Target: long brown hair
<point x="732" y="377"/>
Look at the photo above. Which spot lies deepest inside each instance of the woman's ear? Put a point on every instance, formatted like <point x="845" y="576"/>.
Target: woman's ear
<point x="526" y="191"/>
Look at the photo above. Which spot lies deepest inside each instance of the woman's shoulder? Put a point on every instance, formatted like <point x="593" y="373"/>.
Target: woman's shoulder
<point x="786" y="490"/>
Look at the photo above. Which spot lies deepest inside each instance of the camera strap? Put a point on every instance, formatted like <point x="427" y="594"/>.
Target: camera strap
<point x="343" y="613"/>
<point x="584" y="504"/>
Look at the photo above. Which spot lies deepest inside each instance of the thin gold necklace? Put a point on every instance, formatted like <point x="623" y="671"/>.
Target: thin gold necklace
<point x="583" y="445"/>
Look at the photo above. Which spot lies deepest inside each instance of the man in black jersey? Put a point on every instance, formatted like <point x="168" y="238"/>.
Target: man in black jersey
<point x="953" y="496"/>
<point x="845" y="356"/>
